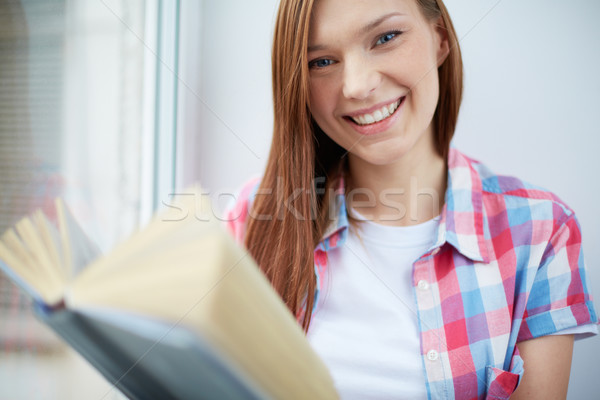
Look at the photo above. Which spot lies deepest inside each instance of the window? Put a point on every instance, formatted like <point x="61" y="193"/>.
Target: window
<point x="88" y="104"/>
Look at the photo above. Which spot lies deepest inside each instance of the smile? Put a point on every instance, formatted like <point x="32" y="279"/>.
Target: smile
<point x="377" y="115"/>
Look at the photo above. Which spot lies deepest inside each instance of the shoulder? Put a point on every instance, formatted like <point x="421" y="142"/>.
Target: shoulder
<point x="521" y="200"/>
<point x="236" y="215"/>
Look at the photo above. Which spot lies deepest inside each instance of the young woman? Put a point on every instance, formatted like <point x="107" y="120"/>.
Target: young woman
<point x="415" y="271"/>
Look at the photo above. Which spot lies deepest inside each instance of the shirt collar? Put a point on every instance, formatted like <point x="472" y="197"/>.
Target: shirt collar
<point x="462" y="220"/>
<point x="337" y="229"/>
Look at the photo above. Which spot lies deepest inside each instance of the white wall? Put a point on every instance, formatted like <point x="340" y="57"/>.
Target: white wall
<point x="233" y="99"/>
<point x="530" y="105"/>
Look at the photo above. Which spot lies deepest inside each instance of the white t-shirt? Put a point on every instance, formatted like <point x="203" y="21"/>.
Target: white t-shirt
<point x="365" y="325"/>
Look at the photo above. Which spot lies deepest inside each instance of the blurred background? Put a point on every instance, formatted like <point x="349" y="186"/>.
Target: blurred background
<point x="115" y="104"/>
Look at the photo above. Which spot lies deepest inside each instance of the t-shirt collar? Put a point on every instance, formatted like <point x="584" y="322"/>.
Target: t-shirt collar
<point x="462" y="218"/>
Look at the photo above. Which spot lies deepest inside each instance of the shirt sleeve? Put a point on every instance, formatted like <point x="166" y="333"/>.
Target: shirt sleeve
<point x="580" y="332"/>
<point x="559" y="297"/>
<point x="237" y="213"/>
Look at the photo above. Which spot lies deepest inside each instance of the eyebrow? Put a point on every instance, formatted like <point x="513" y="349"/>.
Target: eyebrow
<point x="365" y="29"/>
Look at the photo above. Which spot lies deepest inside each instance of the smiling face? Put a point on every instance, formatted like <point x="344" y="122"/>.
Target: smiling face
<point x="373" y="77"/>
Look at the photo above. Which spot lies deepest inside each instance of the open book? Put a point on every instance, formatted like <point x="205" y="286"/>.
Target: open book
<point x="176" y="311"/>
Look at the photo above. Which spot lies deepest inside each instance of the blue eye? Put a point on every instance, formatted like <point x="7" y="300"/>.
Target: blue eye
<point x="387" y="37"/>
<point x="320" y="63"/>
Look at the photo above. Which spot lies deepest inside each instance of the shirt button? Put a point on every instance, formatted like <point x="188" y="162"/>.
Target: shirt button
<point x="432" y="355"/>
<point x="423" y="284"/>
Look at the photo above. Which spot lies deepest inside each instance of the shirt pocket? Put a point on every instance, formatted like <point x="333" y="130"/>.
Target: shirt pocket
<point x="500" y="383"/>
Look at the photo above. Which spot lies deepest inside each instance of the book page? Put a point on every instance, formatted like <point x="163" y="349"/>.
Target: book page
<point x="51" y="241"/>
<point x="27" y="258"/>
<point x="21" y="275"/>
<point x="42" y="258"/>
<point x="163" y="232"/>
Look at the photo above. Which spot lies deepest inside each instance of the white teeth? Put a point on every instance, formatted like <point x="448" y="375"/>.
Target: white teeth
<point x="378" y="115"/>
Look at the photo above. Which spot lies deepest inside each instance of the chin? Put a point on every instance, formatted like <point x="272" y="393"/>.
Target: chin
<point x="383" y="157"/>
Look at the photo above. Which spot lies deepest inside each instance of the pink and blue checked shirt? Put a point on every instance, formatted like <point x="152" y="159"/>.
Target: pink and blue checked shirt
<point x="507" y="266"/>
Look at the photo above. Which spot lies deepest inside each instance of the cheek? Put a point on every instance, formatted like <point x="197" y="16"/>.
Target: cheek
<point x="322" y="103"/>
<point x="421" y="75"/>
<point x="428" y="93"/>
<point x="418" y="65"/>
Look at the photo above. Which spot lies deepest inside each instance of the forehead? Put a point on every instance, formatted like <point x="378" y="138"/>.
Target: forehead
<point x="331" y="17"/>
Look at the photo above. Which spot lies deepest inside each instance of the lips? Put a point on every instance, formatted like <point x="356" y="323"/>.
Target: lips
<point x="378" y="115"/>
<point x="377" y="119"/>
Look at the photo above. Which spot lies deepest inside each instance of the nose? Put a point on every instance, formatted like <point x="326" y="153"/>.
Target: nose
<point x="360" y="78"/>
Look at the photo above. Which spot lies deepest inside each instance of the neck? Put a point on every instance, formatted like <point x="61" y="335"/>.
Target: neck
<point x="407" y="192"/>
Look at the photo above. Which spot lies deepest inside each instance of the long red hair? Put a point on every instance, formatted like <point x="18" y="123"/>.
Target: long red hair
<point x="293" y="212"/>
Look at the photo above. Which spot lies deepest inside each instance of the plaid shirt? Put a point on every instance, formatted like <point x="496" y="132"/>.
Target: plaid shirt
<point x="507" y="266"/>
